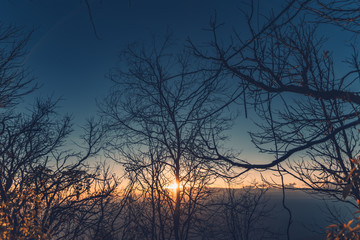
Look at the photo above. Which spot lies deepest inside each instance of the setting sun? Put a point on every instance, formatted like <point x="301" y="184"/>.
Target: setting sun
<point x="174" y="186"/>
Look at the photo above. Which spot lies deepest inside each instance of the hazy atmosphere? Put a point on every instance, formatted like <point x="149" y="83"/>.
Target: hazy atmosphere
<point x="179" y="119"/>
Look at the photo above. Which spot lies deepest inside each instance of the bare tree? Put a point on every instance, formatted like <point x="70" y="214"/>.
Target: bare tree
<point x="244" y="212"/>
<point x="307" y="99"/>
<point x="236" y="213"/>
<point x="42" y="182"/>
<point x="342" y="13"/>
<point x="286" y="57"/>
<point x="15" y="80"/>
<point x="161" y="109"/>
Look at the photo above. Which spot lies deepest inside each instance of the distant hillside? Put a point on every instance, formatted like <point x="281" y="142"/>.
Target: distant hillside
<point x="310" y="213"/>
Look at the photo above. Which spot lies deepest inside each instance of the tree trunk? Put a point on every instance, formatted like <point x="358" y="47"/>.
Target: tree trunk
<point x="177" y="201"/>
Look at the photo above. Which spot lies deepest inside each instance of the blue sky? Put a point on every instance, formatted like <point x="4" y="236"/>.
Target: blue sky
<point x="70" y="62"/>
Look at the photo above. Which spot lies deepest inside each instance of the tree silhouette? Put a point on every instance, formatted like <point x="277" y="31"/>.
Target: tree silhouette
<point x="162" y="108"/>
<point x="42" y="183"/>
<point x="307" y="99"/>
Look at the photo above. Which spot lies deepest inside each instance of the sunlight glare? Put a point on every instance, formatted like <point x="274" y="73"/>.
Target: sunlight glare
<point x="174" y="186"/>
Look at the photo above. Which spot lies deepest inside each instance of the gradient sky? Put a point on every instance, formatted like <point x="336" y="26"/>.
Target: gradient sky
<point x="70" y="62"/>
<point x="67" y="58"/>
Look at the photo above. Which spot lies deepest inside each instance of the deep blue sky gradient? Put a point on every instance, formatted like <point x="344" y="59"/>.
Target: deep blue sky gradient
<point x="70" y="62"/>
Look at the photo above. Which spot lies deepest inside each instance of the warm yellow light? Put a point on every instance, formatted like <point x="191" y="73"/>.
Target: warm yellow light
<point x="174" y="186"/>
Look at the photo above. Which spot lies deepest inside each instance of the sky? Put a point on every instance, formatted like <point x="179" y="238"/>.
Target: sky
<point x="67" y="59"/>
<point x="70" y="62"/>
